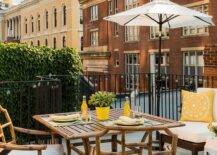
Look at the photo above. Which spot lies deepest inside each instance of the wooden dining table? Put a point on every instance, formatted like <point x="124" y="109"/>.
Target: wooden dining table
<point x="97" y="129"/>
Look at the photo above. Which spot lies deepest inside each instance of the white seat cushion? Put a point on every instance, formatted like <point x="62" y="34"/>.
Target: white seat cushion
<point x="199" y="90"/>
<point x="51" y="150"/>
<point x="196" y="132"/>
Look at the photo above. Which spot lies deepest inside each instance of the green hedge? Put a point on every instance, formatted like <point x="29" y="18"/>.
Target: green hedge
<point x="24" y="95"/>
<point x="22" y="62"/>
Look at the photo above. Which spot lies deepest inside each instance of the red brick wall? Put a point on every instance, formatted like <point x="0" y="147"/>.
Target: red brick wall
<point x="210" y="58"/>
<point x="100" y="24"/>
<point x="210" y="69"/>
<point x="174" y="43"/>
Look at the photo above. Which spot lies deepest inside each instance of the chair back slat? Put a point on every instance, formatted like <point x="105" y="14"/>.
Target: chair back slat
<point x="2" y="135"/>
<point x="9" y="125"/>
<point x="6" y="125"/>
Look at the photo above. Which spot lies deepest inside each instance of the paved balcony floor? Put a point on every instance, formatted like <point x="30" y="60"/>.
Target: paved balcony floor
<point x="135" y="138"/>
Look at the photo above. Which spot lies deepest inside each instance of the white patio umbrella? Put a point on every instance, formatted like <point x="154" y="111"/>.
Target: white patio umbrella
<point x="162" y="14"/>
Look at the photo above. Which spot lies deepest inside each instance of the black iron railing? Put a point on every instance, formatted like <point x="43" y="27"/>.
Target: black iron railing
<point x="141" y="88"/>
<point x="63" y="93"/>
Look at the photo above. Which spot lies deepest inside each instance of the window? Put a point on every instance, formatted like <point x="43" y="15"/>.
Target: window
<point x="193" y="63"/>
<point x="81" y="16"/>
<point x="154" y="33"/>
<point x="94" y="12"/>
<point x="10" y="32"/>
<point x="38" y="43"/>
<point x="116" y="28"/>
<point x="129" y="4"/>
<point x="116" y="58"/>
<point x="39" y="23"/>
<point x="132" y="70"/>
<point x="64" y="41"/>
<point x="8" y="23"/>
<point x="26" y="26"/>
<point x="164" y="63"/>
<point x="116" y="6"/>
<point x="190" y="31"/>
<point x="55" y="17"/>
<point x="46" y="19"/>
<point x="46" y="42"/>
<point x="64" y="15"/>
<point x="54" y="43"/>
<point x="94" y="38"/>
<point x="131" y="33"/>
<point x="110" y="9"/>
<point x="32" y="24"/>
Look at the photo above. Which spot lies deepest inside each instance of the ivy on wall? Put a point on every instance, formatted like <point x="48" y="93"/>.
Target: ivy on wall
<point x="24" y="95"/>
<point x="21" y="62"/>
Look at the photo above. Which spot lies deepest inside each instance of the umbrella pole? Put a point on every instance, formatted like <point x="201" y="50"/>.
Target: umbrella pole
<point x="159" y="66"/>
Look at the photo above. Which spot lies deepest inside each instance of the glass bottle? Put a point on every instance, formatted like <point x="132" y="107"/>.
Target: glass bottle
<point x="127" y="110"/>
<point x="84" y="108"/>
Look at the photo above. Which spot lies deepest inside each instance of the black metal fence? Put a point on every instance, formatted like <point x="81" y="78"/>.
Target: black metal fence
<point x="141" y="88"/>
<point x="59" y="93"/>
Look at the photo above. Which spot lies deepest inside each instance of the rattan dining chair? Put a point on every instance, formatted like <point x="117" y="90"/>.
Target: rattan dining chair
<point x="12" y="145"/>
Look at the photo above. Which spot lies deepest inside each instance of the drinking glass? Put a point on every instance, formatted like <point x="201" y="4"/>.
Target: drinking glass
<point x="138" y="111"/>
<point x="89" y="114"/>
<point x="87" y="118"/>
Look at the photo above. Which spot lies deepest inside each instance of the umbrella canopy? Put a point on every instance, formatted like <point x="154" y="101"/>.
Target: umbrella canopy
<point x="169" y="14"/>
<point x="163" y="14"/>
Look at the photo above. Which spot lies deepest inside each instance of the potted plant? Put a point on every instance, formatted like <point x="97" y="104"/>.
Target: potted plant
<point x="213" y="128"/>
<point x="102" y="102"/>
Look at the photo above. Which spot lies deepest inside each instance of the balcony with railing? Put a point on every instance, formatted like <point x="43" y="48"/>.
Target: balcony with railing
<point x="56" y="94"/>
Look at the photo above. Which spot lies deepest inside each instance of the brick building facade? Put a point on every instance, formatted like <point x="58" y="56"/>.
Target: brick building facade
<point x="109" y="48"/>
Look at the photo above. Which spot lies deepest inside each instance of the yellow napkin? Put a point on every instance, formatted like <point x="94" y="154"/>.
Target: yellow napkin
<point x="64" y="118"/>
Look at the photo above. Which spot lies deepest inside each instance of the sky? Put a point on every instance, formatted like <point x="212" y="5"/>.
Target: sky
<point x="16" y="1"/>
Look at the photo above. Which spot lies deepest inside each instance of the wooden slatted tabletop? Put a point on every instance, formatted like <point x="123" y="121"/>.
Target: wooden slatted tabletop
<point x="77" y="130"/>
<point x="93" y="128"/>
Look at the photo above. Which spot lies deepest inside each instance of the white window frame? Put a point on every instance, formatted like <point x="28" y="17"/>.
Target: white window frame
<point x="131" y="33"/>
<point x="110" y="7"/>
<point x="129" y="4"/>
<point x="116" y="29"/>
<point x="154" y="33"/>
<point x="194" y="59"/>
<point x="94" y="11"/>
<point x="132" y="70"/>
<point x="164" y="64"/>
<point x="116" y="6"/>
<point x="193" y="31"/>
<point x="94" y="38"/>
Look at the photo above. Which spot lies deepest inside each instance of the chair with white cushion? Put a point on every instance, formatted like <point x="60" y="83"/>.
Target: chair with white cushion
<point x="15" y="149"/>
<point x="193" y="135"/>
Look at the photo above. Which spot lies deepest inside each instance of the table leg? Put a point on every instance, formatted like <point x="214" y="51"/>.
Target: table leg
<point x="114" y="143"/>
<point x="123" y="142"/>
<point x="86" y="146"/>
<point x="150" y="143"/>
<point x="145" y="136"/>
<point x="97" y="145"/>
<point x="53" y="139"/>
<point x="68" y="147"/>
